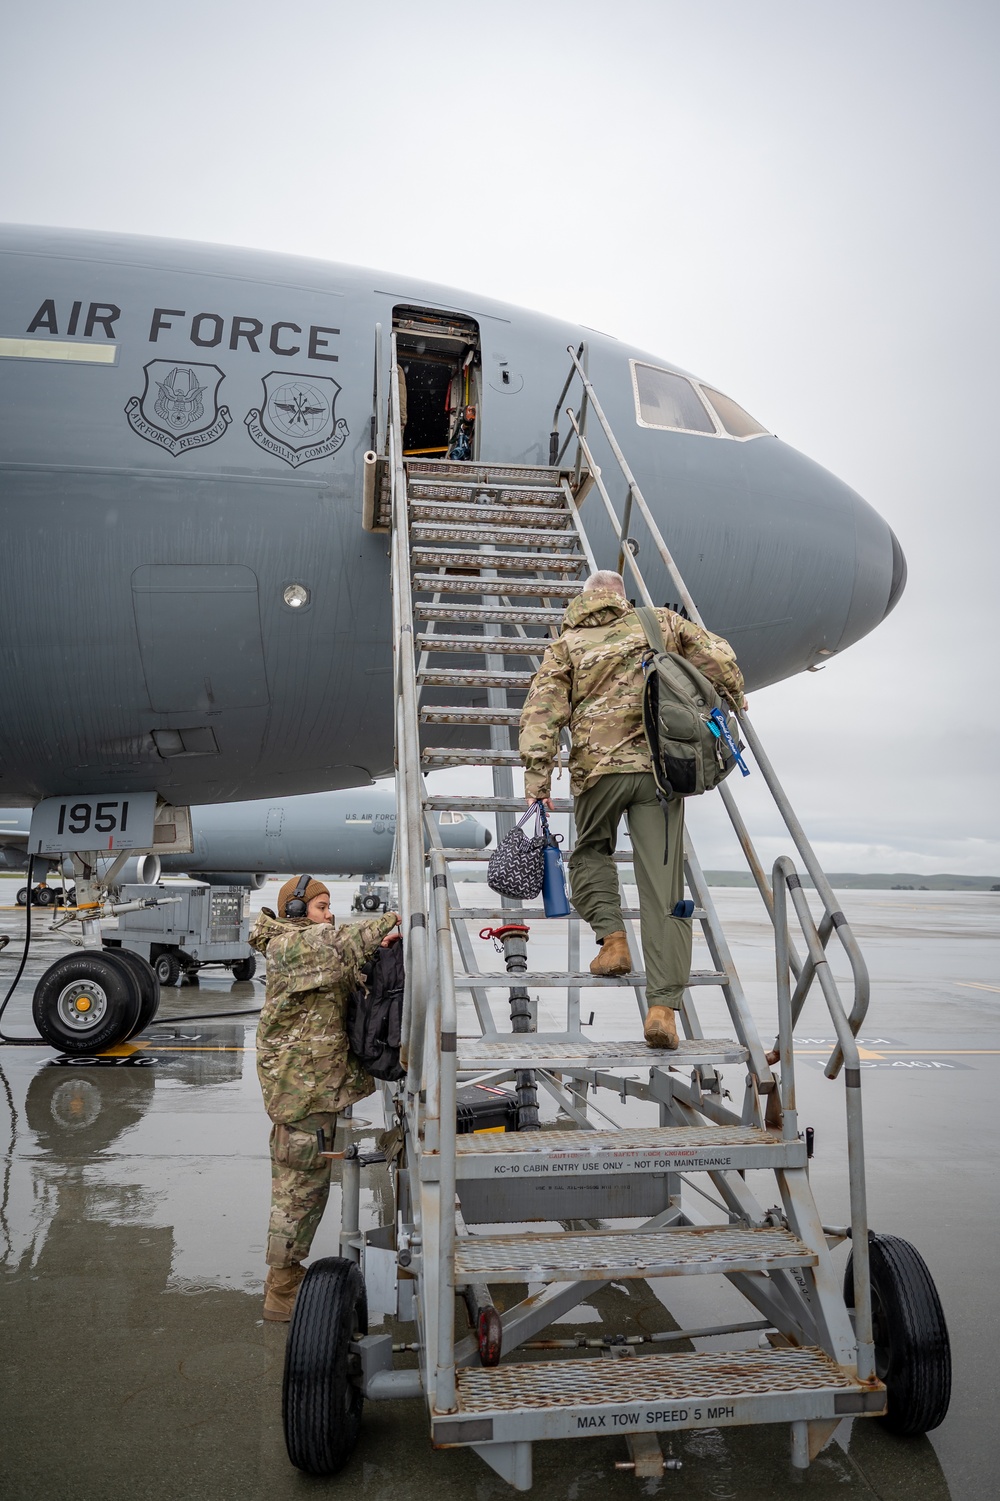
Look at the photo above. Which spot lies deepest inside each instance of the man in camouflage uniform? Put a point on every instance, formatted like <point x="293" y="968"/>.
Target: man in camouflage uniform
<point x="306" y="1071"/>
<point x="591" y="680"/>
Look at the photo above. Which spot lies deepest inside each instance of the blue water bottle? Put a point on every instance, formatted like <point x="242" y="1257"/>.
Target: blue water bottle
<point x="555" y="897"/>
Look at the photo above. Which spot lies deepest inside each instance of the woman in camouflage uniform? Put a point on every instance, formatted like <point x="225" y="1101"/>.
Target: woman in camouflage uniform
<point x="306" y="1071"/>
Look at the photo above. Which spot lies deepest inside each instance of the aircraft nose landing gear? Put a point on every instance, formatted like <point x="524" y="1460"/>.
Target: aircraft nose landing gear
<point x="85" y="1002"/>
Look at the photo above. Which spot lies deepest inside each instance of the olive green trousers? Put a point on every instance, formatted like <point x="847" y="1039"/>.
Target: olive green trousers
<point x="666" y="940"/>
<point x="300" y="1187"/>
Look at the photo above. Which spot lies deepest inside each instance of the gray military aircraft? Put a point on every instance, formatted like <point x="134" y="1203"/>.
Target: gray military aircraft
<point x="196" y="600"/>
<point x="191" y="604"/>
<point x="332" y="833"/>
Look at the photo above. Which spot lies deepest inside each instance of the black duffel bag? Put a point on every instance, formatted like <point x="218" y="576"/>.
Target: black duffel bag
<point x="375" y="1014"/>
<point x="517" y="865"/>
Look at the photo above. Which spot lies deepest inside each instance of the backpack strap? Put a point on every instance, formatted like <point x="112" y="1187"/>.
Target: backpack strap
<point x="651" y="628"/>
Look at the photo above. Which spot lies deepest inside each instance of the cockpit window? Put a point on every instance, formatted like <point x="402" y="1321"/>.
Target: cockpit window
<point x="737" y="422"/>
<point x="664" y="399"/>
<point x="667" y="400"/>
<point x="450" y="818"/>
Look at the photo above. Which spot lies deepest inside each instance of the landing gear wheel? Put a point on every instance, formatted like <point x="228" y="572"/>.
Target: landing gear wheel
<point x="86" y="1002"/>
<point x="245" y="969"/>
<point x="43" y="897"/>
<point x="22" y="896"/>
<point x="149" y="985"/>
<point x="912" y="1349"/>
<point x="321" y="1399"/>
<point x="370" y="903"/>
<point x="168" y="969"/>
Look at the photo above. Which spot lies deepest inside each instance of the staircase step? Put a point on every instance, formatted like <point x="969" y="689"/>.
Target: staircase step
<point x="541" y="515"/>
<point x="548" y="1399"/>
<point x="486" y="646"/>
<point x="633" y="1149"/>
<point x="490" y="614"/>
<point x="436" y="531"/>
<point x="490" y="804"/>
<point x="537" y="1050"/>
<point x="534" y="914"/>
<point x="440" y="756"/>
<point x="558" y="979"/>
<point x="451" y="583"/>
<point x="473" y="473"/>
<point x="621" y="857"/>
<point x="457" y="714"/>
<point x="482" y="492"/>
<point x="513" y="562"/>
<point x="458" y="677"/>
<point x="582" y="1255"/>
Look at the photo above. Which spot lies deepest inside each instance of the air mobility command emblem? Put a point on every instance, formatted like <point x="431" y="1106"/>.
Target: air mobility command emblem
<point x="296" y="420"/>
<point x="179" y="407"/>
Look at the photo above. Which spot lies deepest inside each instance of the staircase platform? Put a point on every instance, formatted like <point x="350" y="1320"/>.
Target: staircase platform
<point x="586" y="1256"/>
<point x="547" y="1399"/>
<point x="633" y="1149"/>
<point x="556" y="979"/>
<point x="536" y="1050"/>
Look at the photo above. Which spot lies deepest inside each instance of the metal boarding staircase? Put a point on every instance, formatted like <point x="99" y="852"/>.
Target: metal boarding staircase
<point x="484" y="559"/>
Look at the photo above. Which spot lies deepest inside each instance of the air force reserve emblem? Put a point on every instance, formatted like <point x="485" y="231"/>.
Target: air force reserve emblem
<point x="296" y="421"/>
<point x="179" y="408"/>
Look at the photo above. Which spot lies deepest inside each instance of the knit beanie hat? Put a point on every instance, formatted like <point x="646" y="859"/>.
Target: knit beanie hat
<point x="315" y="888"/>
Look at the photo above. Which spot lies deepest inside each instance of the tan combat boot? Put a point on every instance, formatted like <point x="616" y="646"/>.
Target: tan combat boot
<point x="660" y="1030"/>
<point x="280" y="1289"/>
<point x="613" y="957"/>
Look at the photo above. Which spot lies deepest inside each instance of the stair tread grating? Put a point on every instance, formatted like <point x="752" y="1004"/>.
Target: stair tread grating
<point x="661" y="1379"/>
<point x="535" y="1050"/>
<point x="549" y="978"/>
<point x="535" y="1257"/>
<point x="557" y="1144"/>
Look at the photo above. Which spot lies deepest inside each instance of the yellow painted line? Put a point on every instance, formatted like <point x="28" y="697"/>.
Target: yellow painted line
<point x="974" y="985"/>
<point x="911" y="1053"/>
<point x="122" y="1050"/>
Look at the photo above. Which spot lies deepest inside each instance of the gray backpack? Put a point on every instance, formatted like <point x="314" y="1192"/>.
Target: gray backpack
<point x="692" y="734"/>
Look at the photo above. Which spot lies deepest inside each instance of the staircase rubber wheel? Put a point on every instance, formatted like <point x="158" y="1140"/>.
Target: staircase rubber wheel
<point x="245" y="969"/>
<point x="85" y="1002"/>
<point x="912" y="1348"/>
<point x="168" y="968"/>
<point x="321" y="1399"/>
<point x="149" y="985"/>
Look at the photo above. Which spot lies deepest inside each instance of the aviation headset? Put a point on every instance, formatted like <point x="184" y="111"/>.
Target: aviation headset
<point x="296" y="904"/>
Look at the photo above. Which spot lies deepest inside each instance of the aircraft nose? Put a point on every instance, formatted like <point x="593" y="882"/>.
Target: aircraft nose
<point x="898" y="580"/>
<point x="487" y="838"/>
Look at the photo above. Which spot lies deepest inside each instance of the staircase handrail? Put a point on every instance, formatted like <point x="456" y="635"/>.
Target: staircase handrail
<point x="786" y="881"/>
<point x="835" y="919"/>
<point x="409" y="815"/>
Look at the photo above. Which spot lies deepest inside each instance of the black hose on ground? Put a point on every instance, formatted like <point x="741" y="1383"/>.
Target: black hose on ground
<point x="21" y="1042"/>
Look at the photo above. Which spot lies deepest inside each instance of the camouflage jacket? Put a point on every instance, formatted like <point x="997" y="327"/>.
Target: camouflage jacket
<point x="303" y="1061"/>
<point x="591" y="679"/>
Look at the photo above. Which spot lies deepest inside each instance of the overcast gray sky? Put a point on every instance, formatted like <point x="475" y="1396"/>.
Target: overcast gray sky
<point x="794" y="199"/>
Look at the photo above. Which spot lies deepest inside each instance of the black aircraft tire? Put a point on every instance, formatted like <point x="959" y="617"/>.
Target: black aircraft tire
<point x="167" y="967"/>
<point x="912" y="1348"/>
<point x="22" y="896"/>
<point x="320" y="1401"/>
<point x="149" y="985"/>
<point x="245" y="969"/>
<point x="42" y="896"/>
<point x="111" y="991"/>
<point x="370" y="903"/>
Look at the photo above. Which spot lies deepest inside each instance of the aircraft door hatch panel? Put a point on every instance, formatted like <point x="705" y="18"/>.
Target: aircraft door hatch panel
<point x="199" y="637"/>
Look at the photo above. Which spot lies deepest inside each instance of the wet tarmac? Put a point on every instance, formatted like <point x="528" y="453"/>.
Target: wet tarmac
<point x="134" y="1201"/>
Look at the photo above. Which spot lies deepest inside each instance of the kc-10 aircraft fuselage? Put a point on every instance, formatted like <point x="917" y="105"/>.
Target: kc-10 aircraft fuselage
<point x="191" y="604"/>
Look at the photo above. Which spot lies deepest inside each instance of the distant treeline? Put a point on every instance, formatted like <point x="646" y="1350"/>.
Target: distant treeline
<point x="872" y="881"/>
